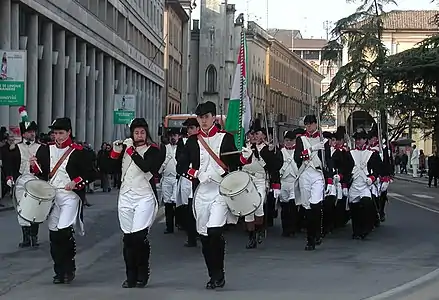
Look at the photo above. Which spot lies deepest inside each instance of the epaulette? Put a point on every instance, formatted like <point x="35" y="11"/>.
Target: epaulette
<point x="154" y="146"/>
<point x="76" y="146"/>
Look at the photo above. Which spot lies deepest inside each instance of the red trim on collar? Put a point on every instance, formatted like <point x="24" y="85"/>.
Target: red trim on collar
<point x="316" y="134"/>
<point x="64" y="144"/>
<point x="290" y="148"/>
<point x="211" y="132"/>
<point x="361" y="148"/>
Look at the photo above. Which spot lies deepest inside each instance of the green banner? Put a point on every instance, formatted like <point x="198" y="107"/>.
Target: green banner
<point x="123" y="117"/>
<point x="13" y="77"/>
<point x="124" y="108"/>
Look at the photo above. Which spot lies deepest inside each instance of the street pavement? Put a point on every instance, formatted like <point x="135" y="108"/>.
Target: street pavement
<point x="391" y="261"/>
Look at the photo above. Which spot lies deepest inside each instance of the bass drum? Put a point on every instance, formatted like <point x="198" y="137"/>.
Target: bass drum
<point x="240" y="193"/>
<point x="33" y="198"/>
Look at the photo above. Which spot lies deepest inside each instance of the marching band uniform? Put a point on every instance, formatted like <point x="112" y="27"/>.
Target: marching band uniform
<point x="362" y="170"/>
<point x="263" y="167"/>
<point x="288" y="174"/>
<point x="330" y="200"/>
<point x="137" y="203"/>
<point x="17" y="163"/>
<point x="168" y="173"/>
<point x="210" y="208"/>
<point x="185" y="191"/>
<point x="311" y="179"/>
<point x="74" y="172"/>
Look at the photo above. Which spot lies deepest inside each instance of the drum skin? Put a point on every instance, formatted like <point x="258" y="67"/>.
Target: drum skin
<point x="33" y="198"/>
<point x="241" y="194"/>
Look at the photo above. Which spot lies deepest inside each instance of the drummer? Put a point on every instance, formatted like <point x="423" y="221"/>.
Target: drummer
<point x="16" y="164"/>
<point x="67" y="168"/>
<point x="262" y="162"/>
<point x="201" y="160"/>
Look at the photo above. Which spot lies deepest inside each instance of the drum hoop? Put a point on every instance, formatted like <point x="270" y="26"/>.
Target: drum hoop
<point x="241" y="190"/>
<point x="36" y="197"/>
<point x="260" y="202"/>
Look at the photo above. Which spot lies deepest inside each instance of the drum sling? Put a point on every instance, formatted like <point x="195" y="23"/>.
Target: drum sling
<point x="212" y="154"/>
<point x="59" y="162"/>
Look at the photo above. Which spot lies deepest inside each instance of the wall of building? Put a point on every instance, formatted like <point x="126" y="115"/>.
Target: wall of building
<point x="194" y="75"/>
<point x="79" y="54"/>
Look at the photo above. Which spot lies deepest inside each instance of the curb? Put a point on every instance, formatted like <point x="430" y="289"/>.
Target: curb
<point x="411" y="180"/>
<point x="6" y="208"/>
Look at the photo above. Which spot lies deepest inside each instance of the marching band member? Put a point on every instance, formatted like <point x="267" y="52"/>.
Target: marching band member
<point x="330" y="200"/>
<point x="362" y="170"/>
<point x="339" y="158"/>
<point x="137" y="204"/>
<point x="186" y="187"/>
<point x="169" y="179"/>
<point x="67" y="168"/>
<point x="16" y="164"/>
<point x="263" y="167"/>
<point x="386" y="171"/>
<point x="202" y="160"/>
<point x="288" y="173"/>
<point x="311" y="180"/>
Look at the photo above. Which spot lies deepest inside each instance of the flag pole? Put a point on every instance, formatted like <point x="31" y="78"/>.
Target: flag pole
<point x="241" y="86"/>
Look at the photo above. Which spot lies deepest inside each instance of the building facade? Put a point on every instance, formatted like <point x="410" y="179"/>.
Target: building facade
<point x="176" y="55"/>
<point x="213" y="53"/>
<point x="293" y="85"/>
<point x="257" y="47"/>
<point x="80" y="54"/>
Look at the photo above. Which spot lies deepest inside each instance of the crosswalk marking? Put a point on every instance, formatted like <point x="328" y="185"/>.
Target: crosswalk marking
<point x="423" y="196"/>
<point x="394" y="195"/>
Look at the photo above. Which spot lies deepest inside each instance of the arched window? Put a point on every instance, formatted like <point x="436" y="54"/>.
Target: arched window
<point x="211" y="79"/>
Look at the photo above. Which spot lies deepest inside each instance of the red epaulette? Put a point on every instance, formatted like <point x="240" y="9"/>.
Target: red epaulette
<point x="154" y="146"/>
<point x="76" y="146"/>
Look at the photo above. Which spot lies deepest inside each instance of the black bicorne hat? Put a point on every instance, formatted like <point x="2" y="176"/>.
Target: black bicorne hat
<point x="138" y="122"/>
<point x="340" y="133"/>
<point x="61" y="124"/>
<point x="173" y="130"/>
<point x="360" y="134"/>
<point x="28" y="126"/>
<point x="256" y="126"/>
<point x="327" y="135"/>
<point x="309" y="119"/>
<point x="205" y="108"/>
<point x="289" y="135"/>
<point x="191" y="122"/>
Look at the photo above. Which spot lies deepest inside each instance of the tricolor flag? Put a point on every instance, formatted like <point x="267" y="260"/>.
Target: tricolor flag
<point x="239" y="110"/>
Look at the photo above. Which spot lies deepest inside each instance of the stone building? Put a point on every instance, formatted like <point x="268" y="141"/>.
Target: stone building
<point x="176" y="33"/>
<point x="81" y="53"/>
<point x="213" y="53"/>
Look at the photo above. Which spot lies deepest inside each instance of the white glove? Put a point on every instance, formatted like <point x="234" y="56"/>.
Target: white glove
<point x="276" y="193"/>
<point x="246" y="152"/>
<point x="117" y="146"/>
<point x="128" y="142"/>
<point x="10" y="182"/>
<point x="377" y="181"/>
<point x="368" y="181"/>
<point x="345" y="192"/>
<point x="318" y="146"/>
<point x="329" y="189"/>
<point x="204" y="177"/>
<point x="384" y="186"/>
<point x="336" y="178"/>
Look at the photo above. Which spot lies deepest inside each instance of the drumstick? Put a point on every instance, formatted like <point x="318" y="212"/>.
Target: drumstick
<point x="39" y="168"/>
<point x="231" y="152"/>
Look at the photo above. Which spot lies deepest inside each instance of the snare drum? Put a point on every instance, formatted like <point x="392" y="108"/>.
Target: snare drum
<point x="33" y="198"/>
<point x="241" y="194"/>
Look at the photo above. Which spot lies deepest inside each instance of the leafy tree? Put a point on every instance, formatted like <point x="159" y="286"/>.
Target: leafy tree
<point x="359" y="83"/>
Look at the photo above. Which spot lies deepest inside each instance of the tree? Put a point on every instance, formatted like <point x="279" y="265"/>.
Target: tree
<point x="359" y="82"/>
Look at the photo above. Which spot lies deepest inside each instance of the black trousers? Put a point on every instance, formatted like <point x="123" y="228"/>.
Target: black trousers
<point x="213" y="249"/>
<point x="363" y="215"/>
<point x="342" y="215"/>
<point x="170" y="213"/>
<point x="431" y="178"/>
<point x="270" y="210"/>
<point x="314" y="223"/>
<point x="289" y="215"/>
<point x="329" y="214"/>
<point x="190" y="225"/>
<point x="63" y="251"/>
<point x="136" y="254"/>
<point x="382" y="204"/>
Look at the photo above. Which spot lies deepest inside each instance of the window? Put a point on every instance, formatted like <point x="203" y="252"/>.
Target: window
<point x="211" y="79"/>
<point x="311" y="54"/>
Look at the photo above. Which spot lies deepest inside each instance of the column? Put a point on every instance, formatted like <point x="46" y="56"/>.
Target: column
<point x="81" y="87"/>
<point x="144" y="98"/>
<point x="91" y="96"/>
<point x="121" y="72"/>
<point x="5" y="43"/>
<point x="135" y="87"/>
<point x="185" y="67"/>
<point x="32" y="68"/>
<point x="149" y="102"/>
<point x="59" y="76"/>
<point x="71" y="81"/>
<point x="14" y="117"/>
<point x="129" y="81"/>
<point x="108" y="97"/>
<point x="155" y="108"/>
<point x="45" y="77"/>
<point x="99" y="116"/>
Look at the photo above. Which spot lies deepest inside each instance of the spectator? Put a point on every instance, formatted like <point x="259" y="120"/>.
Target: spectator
<point x="421" y="163"/>
<point x="104" y="167"/>
<point x="414" y="161"/>
<point x="398" y="163"/>
<point x="433" y="169"/>
<point x="404" y="162"/>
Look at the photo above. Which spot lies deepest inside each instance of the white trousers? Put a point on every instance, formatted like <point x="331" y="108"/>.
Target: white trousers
<point x="136" y="212"/>
<point x="287" y="188"/>
<point x="65" y="212"/>
<point x="210" y="208"/>
<point x="184" y="191"/>
<point x="312" y="187"/>
<point x="415" y="170"/>
<point x="169" y="189"/>
<point x="261" y="186"/>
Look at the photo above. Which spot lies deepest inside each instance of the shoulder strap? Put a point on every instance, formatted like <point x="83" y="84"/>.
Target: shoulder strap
<point x="60" y="161"/>
<point x="212" y="154"/>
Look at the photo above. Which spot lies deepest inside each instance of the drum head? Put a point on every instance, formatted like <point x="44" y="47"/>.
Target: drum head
<point x="19" y="187"/>
<point x="234" y="183"/>
<point x="40" y="189"/>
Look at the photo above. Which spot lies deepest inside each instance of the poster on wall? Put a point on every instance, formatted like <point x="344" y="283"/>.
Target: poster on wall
<point x="124" y="108"/>
<point x="13" y="77"/>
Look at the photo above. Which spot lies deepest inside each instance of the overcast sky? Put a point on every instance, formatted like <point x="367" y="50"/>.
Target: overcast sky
<point x="306" y="15"/>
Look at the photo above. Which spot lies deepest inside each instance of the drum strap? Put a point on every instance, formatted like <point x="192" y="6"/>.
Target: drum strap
<point x="60" y="161"/>
<point x="212" y="154"/>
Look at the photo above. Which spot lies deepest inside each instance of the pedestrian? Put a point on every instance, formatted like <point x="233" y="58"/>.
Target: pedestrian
<point x="414" y="161"/>
<point x="433" y="169"/>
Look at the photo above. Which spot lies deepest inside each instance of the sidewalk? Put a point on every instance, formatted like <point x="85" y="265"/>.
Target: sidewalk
<point x="409" y="177"/>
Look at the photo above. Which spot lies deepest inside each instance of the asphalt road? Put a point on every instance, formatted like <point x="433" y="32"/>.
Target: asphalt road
<point x="404" y="249"/>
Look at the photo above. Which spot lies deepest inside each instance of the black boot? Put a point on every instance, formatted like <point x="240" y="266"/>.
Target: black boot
<point x="252" y="242"/>
<point x="285" y="215"/>
<point x="383" y="201"/>
<point x="56" y="251"/>
<point x="26" y="231"/>
<point x="260" y="233"/>
<point x="69" y="252"/>
<point x="313" y="229"/>
<point x="129" y="256"/>
<point x="169" y="217"/>
<point x="218" y="245"/>
<point x="356" y="220"/>
<point x="208" y="259"/>
<point x="143" y="252"/>
<point x="34" y="235"/>
<point x="190" y="225"/>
